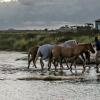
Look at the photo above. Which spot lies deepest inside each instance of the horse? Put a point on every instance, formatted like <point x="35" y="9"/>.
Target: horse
<point x="71" y="43"/>
<point x="68" y="43"/>
<point x="32" y="55"/>
<point x="43" y="52"/>
<point x="59" y="52"/>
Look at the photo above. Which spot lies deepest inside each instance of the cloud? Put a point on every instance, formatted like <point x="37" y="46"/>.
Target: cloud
<point x="45" y="2"/>
<point x="50" y="13"/>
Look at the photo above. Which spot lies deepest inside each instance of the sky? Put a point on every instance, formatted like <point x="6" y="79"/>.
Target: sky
<point x="51" y="14"/>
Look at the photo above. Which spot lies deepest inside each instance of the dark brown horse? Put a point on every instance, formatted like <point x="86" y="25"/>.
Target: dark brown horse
<point x="59" y="53"/>
<point x="32" y="55"/>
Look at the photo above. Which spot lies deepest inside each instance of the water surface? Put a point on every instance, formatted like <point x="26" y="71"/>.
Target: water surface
<point x="13" y="89"/>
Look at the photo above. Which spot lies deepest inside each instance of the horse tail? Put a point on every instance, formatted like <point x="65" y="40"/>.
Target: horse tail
<point x="36" y="54"/>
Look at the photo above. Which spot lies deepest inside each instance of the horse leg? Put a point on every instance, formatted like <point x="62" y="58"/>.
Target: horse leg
<point x="84" y="63"/>
<point x="29" y="61"/>
<point x="33" y="59"/>
<point x="75" y="68"/>
<point x="71" y="67"/>
<point x="61" y="66"/>
<point x="83" y="56"/>
<point x="54" y="63"/>
<point x="49" y="61"/>
<point x="73" y="62"/>
<point x="66" y="63"/>
<point x="49" y="64"/>
<point x="84" y="67"/>
<point x="34" y="64"/>
<point x="97" y="69"/>
<point x="42" y="64"/>
<point x="87" y="54"/>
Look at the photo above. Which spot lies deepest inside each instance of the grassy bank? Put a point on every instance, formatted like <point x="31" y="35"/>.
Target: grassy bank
<point x="23" y="40"/>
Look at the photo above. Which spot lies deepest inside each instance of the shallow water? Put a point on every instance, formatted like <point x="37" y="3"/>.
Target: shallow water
<point x="13" y="89"/>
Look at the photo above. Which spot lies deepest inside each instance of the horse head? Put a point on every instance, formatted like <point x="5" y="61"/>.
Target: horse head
<point x="90" y="47"/>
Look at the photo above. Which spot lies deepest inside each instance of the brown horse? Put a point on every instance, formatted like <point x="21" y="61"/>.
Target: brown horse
<point x="32" y="55"/>
<point x="59" y="53"/>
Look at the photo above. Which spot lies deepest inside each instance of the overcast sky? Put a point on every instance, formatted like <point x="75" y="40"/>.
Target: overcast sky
<point x="33" y="14"/>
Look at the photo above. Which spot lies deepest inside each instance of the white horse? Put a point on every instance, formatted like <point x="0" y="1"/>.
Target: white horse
<point x="44" y="52"/>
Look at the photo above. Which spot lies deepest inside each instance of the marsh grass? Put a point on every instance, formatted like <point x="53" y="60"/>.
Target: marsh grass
<point x="23" y="40"/>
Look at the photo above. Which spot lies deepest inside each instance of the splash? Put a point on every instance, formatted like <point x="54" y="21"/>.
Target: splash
<point x="92" y="75"/>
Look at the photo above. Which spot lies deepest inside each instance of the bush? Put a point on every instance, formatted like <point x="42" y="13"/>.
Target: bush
<point x="23" y="40"/>
<point x="20" y="45"/>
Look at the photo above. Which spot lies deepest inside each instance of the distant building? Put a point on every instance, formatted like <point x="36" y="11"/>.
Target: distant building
<point x="97" y="24"/>
<point x="87" y="27"/>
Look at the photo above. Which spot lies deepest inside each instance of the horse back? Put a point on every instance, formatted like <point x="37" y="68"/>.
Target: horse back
<point x="67" y="51"/>
<point x="56" y="51"/>
<point x="72" y="51"/>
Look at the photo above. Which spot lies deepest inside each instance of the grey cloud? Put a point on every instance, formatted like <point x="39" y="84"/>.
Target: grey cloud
<point x="46" y="2"/>
<point x="39" y="13"/>
<point x="89" y="11"/>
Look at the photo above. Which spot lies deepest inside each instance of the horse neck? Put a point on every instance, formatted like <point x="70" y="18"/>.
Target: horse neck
<point x="82" y="48"/>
